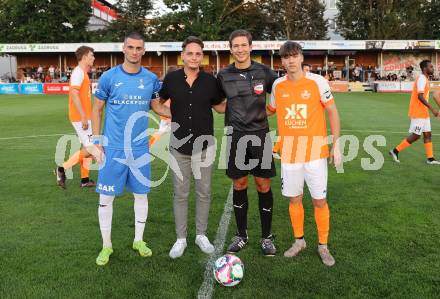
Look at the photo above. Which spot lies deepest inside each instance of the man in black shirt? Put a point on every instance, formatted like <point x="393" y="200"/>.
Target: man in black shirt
<point x="245" y="84"/>
<point x="193" y="94"/>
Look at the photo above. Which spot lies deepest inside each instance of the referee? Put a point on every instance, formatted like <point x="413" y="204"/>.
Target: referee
<point x="245" y="84"/>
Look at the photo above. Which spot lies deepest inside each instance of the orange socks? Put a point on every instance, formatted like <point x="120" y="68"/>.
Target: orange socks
<point x="322" y="219"/>
<point x="85" y="167"/>
<point x="403" y="145"/>
<point x="84" y="163"/>
<point x="296" y="212"/>
<point x="73" y="160"/>
<point x="429" y="150"/>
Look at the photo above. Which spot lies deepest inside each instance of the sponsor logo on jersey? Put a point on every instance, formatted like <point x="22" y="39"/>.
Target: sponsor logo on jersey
<point x="328" y="94"/>
<point x="259" y="88"/>
<point x="296" y="116"/>
<point x="107" y="188"/>
<point x="305" y="95"/>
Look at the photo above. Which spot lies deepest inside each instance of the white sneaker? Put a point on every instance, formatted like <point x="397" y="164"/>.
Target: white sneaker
<point x="394" y="155"/>
<point x="326" y="257"/>
<point x="178" y="248"/>
<point x="297" y="247"/>
<point x="204" y="244"/>
<point x="432" y="161"/>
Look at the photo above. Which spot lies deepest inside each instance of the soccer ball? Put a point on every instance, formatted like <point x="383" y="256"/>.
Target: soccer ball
<point x="228" y="270"/>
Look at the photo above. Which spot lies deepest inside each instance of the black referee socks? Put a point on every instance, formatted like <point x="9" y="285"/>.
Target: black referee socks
<point x="240" y="202"/>
<point x="265" y="205"/>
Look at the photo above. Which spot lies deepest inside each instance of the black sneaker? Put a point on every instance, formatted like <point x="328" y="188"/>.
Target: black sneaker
<point x="268" y="247"/>
<point x="61" y="177"/>
<point x="88" y="184"/>
<point x="237" y="244"/>
<point x="395" y="155"/>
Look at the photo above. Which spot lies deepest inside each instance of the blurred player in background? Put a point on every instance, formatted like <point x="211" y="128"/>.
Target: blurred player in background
<point x="80" y="110"/>
<point x="419" y="108"/>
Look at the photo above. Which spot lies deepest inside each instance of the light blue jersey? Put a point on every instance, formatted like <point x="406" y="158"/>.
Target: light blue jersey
<point x="125" y="95"/>
<point x="127" y="98"/>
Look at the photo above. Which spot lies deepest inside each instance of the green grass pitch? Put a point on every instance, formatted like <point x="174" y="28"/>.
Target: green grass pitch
<point x="384" y="224"/>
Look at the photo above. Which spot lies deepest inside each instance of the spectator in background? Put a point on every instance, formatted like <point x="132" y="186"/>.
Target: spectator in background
<point x="93" y="73"/>
<point x="369" y="72"/>
<point x="28" y="71"/>
<point x="356" y="73"/>
<point x="57" y="73"/>
<point x="20" y="76"/>
<point x="63" y="78"/>
<point x="52" y="71"/>
<point x="48" y="78"/>
<point x="377" y="72"/>
<point x="307" y="68"/>
<point x="344" y="72"/>
<point x="319" y="70"/>
<point x="361" y="73"/>
<point x="68" y="72"/>
<point x="34" y="70"/>
<point x="351" y="72"/>
<point x="40" y="70"/>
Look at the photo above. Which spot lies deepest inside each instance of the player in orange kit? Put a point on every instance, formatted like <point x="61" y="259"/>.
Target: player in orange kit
<point x="300" y="100"/>
<point x="80" y="108"/>
<point x="419" y="114"/>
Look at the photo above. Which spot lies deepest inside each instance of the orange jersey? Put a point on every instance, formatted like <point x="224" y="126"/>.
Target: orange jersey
<point x="80" y="81"/>
<point x="416" y="108"/>
<point x="300" y="108"/>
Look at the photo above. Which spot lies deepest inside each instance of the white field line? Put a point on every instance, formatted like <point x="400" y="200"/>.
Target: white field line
<point x="217" y="129"/>
<point x="207" y="287"/>
<point x="31" y="136"/>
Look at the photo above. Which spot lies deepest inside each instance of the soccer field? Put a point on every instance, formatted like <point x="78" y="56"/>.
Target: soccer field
<point x="384" y="224"/>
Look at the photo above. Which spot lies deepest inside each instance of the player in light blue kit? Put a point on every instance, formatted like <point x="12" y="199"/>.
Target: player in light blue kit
<point x="127" y="92"/>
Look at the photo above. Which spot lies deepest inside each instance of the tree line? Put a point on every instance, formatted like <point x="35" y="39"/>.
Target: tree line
<point x="55" y="21"/>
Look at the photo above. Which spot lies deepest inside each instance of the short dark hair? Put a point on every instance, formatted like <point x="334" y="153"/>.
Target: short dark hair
<point x="240" y="32"/>
<point x="134" y="35"/>
<point x="192" y="40"/>
<point x="307" y="64"/>
<point x="424" y="64"/>
<point x="290" y="48"/>
<point x="82" y="51"/>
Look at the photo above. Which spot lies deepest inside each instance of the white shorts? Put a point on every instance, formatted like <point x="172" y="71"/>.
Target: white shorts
<point x="314" y="173"/>
<point x="420" y="125"/>
<point x="85" y="136"/>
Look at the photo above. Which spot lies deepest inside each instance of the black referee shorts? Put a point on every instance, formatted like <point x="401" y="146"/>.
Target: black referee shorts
<point x="250" y="152"/>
